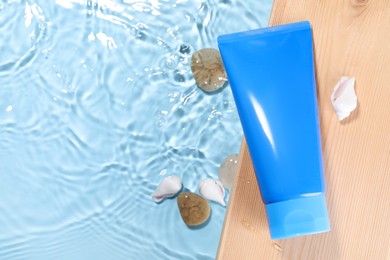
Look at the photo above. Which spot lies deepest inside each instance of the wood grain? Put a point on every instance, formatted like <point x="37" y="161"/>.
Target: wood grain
<point x="351" y="37"/>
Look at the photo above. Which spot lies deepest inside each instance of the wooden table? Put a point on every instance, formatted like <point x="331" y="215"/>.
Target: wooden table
<point x="351" y="37"/>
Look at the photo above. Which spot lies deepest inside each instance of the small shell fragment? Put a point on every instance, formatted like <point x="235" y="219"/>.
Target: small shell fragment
<point x="208" y="69"/>
<point x="168" y="187"/>
<point x="212" y="190"/>
<point x="194" y="209"/>
<point x="343" y="98"/>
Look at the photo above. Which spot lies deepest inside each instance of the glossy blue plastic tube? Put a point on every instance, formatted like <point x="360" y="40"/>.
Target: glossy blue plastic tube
<point x="271" y="73"/>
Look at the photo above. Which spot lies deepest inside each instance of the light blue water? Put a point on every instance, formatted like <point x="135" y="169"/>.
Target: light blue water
<point x="97" y="104"/>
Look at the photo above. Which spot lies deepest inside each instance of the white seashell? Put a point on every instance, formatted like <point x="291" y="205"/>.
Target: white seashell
<point x="168" y="187"/>
<point x="212" y="190"/>
<point x="343" y="98"/>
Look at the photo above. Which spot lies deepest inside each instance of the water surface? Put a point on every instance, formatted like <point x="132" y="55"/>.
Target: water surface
<point x="97" y="104"/>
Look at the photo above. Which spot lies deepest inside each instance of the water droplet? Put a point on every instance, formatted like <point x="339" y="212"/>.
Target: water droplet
<point x="184" y="49"/>
<point x="247" y="225"/>
<point x="169" y="63"/>
<point x="277" y="247"/>
<point x="178" y="76"/>
<point x="141" y="35"/>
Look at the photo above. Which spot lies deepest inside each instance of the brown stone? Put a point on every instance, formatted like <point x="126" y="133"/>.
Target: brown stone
<point x="194" y="209"/>
<point x="208" y="69"/>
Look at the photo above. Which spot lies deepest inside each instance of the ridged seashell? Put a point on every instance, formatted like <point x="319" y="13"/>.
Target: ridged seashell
<point x="168" y="187"/>
<point x="343" y="98"/>
<point x="212" y="190"/>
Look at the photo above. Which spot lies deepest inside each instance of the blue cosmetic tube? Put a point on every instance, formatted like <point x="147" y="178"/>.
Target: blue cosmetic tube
<point x="271" y="73"/>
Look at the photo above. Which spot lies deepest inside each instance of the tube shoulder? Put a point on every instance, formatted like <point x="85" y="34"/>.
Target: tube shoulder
<point x="264" y="32"/>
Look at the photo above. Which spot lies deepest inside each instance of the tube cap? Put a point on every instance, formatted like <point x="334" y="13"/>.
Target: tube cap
<point x="298" y="217"/>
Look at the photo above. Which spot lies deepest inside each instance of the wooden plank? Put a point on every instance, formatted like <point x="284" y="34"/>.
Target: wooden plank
<point x="351" y="37"/>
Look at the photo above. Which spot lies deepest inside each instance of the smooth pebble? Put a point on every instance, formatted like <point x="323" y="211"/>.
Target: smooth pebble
<point x="194" y="209"/>
<point x="208" y="69"/>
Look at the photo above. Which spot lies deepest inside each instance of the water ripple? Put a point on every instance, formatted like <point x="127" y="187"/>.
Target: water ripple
<point x="32" y="27"/>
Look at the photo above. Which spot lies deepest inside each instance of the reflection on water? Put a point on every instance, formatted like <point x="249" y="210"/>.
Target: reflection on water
<point x="97" y="102"/>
